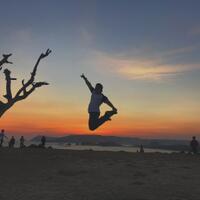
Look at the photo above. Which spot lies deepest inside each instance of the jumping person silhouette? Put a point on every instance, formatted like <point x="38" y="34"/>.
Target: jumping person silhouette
<point x="97" y="98"/>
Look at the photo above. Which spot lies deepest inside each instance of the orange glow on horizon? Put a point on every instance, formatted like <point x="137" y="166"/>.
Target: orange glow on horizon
<point x="119" y="126"/>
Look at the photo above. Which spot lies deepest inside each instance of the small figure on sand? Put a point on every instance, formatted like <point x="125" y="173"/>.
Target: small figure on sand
<point x="141" y="149"/>
<point x="2" y="136"/>
<point x="11" y="142"/>
<point x="22" y="140"/>
<point x="43" y="141"/>
<point x="194" y="145"/>
<point x="97" y="98"/>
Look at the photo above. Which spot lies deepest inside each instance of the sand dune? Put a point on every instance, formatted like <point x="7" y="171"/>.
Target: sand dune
<point x="45" y="174"/>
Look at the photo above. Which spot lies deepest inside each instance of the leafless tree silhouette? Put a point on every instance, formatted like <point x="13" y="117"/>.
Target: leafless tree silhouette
<point x="27" y="87"/>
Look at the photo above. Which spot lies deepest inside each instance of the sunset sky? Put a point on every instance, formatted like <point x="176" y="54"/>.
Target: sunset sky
<point x="145" y="53"/>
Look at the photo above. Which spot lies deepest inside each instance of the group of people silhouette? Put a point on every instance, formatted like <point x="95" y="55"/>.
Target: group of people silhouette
<point x="12" y="140"/>
<point x="194" y="144"/>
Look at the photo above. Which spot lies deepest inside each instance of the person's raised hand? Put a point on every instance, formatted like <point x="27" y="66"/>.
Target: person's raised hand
<point x="83" y="76"/>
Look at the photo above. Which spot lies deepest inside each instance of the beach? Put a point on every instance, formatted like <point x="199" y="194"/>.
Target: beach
<point x="49" y="174"/>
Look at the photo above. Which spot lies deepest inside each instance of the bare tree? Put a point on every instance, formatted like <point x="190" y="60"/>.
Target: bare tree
<point x="27" y="87"/>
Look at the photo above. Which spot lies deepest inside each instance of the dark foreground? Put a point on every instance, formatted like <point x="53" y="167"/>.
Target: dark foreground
<point x="41" y="174"/>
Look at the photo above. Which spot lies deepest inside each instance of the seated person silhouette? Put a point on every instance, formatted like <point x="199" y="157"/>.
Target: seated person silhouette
<point x="97" y="98"/>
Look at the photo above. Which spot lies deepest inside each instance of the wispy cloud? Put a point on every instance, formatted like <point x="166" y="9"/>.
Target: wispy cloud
<point x="143" y="68"/>
<point x="178" y="51"/>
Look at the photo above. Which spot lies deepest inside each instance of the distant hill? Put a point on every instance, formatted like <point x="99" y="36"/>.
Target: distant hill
<point x="179" y="145"/>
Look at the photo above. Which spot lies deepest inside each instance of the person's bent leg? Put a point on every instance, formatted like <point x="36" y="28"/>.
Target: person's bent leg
<point x="106" y="117"/>
<point x="93" y="120"/>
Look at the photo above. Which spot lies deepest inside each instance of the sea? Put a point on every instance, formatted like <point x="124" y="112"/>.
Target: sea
<point x="107" y="148"/>
<point x="95" y="147"/>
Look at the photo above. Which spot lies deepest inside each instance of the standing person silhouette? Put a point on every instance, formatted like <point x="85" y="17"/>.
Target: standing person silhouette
<point x="97" y="98"/>
<point x="43" y="141"/>
<point x="194" y="145"/>
<point x="22" y="140"/>
<point x="2" y="136"/>
<point x="11" y="142"/>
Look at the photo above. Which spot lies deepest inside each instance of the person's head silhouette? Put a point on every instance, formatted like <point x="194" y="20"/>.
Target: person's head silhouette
<point x="98" y="88"/>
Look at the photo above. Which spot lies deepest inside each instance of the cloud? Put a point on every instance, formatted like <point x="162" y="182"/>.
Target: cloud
<point x="144" y="72"/>
<point x="195" y="31"/>
<point x="153" y="68"/>
<point x="178" y="51"/>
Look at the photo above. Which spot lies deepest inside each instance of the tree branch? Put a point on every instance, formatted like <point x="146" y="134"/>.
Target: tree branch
<point x="31" y="80"/>
<point x="8" y="94"/>
<point x="27" y="93"/>
<point x="5" y="60"/>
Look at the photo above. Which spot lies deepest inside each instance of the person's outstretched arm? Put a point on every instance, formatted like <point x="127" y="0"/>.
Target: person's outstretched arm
<point x="87" y="83"/>
<point x="107" y="101"/>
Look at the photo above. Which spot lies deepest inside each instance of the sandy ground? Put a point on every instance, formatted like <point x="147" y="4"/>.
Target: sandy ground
<point x="42" y="174"/>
